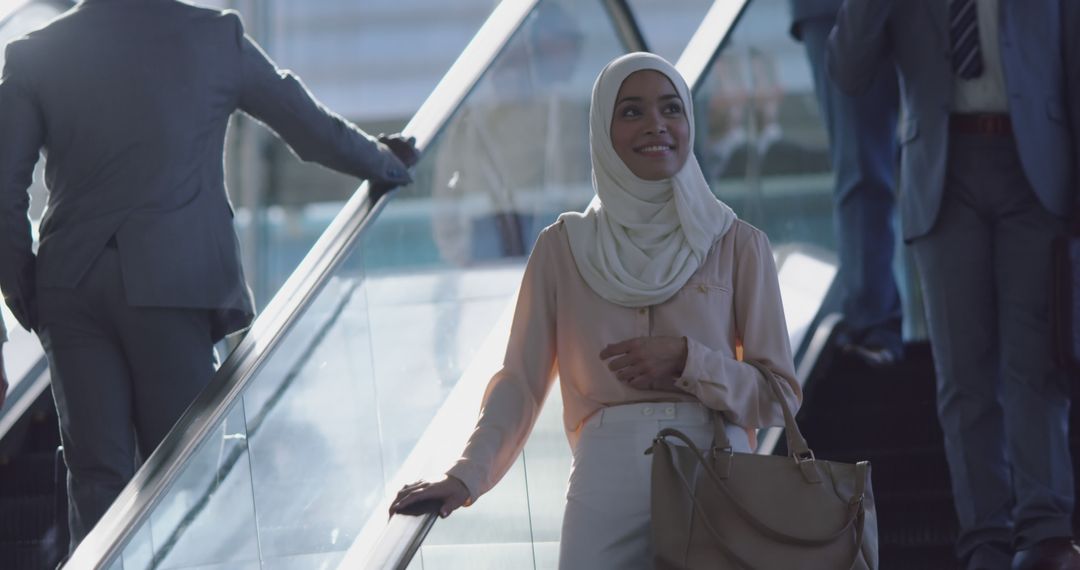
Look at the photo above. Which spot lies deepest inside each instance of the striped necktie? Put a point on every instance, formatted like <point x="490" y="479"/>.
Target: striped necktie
<point x="964" y="33"/>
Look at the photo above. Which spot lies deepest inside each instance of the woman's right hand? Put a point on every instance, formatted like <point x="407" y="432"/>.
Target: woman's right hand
<point x="449" y="494"/>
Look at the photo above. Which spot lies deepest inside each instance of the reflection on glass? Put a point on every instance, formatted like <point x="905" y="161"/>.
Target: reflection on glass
<point x="761" y="142"/>
<point x="668" y="25"/>
<point x="338" y="407"/>
<point x="208" y="517"/>
<point x="512" y="158"/>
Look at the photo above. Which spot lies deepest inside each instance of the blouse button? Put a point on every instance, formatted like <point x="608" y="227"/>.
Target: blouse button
<point x="642" y="311"/>
<point x="703" y="289"/>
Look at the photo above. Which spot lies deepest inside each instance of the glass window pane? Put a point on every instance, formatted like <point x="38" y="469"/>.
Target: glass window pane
<point x="337" y="409"/>
<point x="667" y="25"/>
<point x="31" y="17"/>
<point x="285" y="204"/>
<point x="207" y="518"/>
<point x="514" y="157"/>
<point x="760" y="138"/>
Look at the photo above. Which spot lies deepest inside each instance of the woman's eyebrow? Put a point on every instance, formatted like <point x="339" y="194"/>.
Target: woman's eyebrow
<point x="635" y="98"/>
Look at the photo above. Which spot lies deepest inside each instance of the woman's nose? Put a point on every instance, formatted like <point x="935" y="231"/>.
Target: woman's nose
<point x="656" y="125"/>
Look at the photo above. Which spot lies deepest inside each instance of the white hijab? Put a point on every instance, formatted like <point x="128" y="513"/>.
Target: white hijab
<point x="639" y="241"/>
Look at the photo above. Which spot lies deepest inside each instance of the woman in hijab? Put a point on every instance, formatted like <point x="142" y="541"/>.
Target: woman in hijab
<point x="637" y="304"/>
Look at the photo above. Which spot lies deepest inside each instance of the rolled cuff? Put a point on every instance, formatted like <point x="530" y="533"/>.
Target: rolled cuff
<point x="694" y="370"/>
<point x="471" y="476"/>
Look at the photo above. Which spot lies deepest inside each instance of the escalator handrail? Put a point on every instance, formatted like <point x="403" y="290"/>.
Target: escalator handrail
<point x="23" y="394"/>
<point x="626" y="25"/>
<point x="709" y="38"/>
<point x="135" y="502"/>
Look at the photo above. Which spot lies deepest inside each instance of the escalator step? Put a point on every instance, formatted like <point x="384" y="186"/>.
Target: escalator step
<point x="25" y="556"/>
<point x="43" y="434"/>
<point x="853" y="433"/>
<point x="29" y="474"/>
<point x="926" y="519"/>
<point x="928" y="558"/>
<point x="26" y="518"/>
<point x="889" y="418"/>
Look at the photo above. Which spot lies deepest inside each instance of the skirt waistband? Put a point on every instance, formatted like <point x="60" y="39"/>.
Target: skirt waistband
<point x="687" y="412"/>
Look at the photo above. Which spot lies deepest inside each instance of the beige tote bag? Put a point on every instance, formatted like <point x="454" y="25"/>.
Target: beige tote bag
<point x="721" y="510"/>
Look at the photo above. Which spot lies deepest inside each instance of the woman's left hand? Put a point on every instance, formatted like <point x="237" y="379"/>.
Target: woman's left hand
<point x="648" y="362"/>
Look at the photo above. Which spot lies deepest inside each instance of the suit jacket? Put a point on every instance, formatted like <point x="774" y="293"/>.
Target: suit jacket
<point x="802" y="10"/>
<point x="129" y="100"/>
<point x="1039" y="63"/>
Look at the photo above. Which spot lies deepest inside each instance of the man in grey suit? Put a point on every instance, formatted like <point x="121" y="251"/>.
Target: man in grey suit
<point x="862" y="146"/>
<point x="138" y="270"/>
<point x="987" y="181"/>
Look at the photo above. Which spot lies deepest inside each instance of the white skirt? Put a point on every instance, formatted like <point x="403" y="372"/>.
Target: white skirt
<point x="606" y="522"/>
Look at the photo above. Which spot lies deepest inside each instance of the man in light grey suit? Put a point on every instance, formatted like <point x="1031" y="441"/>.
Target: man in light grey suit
<point x="862" y="147"/>
<point x="138" y="270"/>
<point x="987" y="181"/>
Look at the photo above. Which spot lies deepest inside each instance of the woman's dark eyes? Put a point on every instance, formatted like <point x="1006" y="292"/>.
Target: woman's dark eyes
<point x="670" y="109"/>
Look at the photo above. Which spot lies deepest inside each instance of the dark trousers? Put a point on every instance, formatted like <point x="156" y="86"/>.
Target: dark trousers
<point x="1002" y="401"/>
<point x="121" y="377"/>
<point x="862" y="146"/>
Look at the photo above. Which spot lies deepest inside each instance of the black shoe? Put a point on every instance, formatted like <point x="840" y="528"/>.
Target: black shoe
<point x="1051" y="554"/>
<point x="872" y="356"/>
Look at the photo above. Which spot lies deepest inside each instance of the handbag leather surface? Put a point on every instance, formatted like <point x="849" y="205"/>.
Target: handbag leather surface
<point x="719" y="509"/>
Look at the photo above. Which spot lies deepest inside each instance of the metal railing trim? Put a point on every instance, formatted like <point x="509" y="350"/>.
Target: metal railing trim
<point x="626" y="26"/>
<point x="705" y="45"/>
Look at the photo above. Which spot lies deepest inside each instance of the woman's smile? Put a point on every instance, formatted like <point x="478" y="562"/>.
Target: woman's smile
<point x="649" y="128"/>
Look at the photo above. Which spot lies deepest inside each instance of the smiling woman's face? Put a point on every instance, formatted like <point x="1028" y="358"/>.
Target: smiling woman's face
<point x="649" y="128"/>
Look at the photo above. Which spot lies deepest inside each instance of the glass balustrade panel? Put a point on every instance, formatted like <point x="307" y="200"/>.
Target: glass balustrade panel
<point x="295" y="473"/>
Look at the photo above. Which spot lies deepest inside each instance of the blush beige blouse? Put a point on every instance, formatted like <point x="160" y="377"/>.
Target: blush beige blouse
<point x="560" y="326"/>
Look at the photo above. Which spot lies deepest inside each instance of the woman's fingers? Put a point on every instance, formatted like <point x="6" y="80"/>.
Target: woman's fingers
<point x="407" y="495"/>
<point x="621" y="362"/>
<point x="448" y="495"/>
<point x="618" y="348"/>
<point x="410" y="488"/>
<point x="403" y="502"/>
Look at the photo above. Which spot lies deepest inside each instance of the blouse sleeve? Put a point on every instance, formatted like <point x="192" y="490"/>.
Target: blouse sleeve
<point x="737" y="388"/>
<point x="513" y="398"/>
